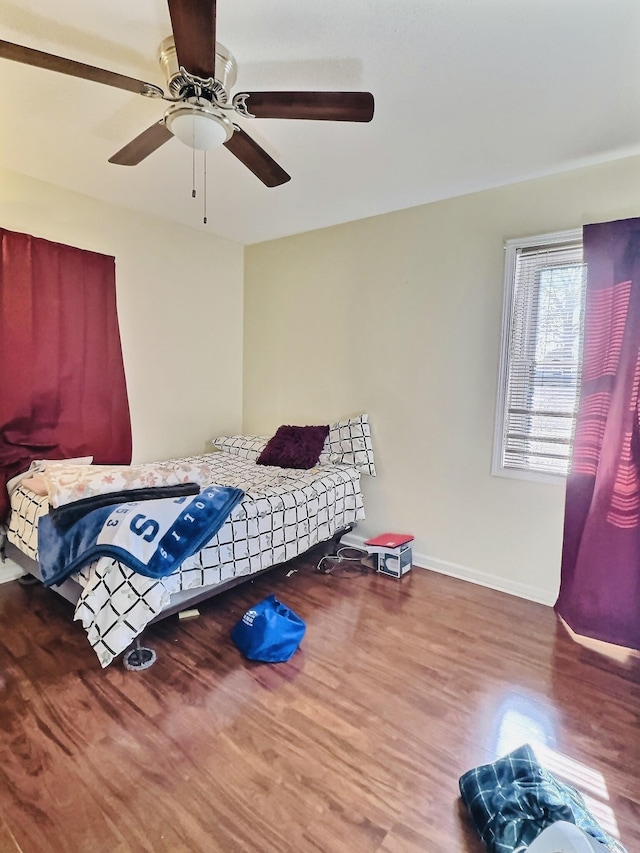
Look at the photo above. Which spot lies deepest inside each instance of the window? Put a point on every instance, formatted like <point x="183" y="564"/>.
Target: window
<point x="541" y="357"/>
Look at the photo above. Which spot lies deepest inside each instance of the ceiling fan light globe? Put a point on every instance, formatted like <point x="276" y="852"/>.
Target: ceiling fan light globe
<point x="197" y="126"/>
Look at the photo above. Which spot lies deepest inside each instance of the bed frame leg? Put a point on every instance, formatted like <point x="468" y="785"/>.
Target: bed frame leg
<point x="138" y="658"/>
<point x="330" y="547"/>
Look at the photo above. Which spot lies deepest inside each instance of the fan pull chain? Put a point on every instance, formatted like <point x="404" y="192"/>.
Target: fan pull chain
<point x="193" y="161"/>
<point x="204" y="187"/>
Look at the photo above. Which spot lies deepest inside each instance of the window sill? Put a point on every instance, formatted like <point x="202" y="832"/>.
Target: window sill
<point x="531" y="476"/>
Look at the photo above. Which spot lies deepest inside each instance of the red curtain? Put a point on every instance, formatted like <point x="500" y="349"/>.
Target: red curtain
<point x="62" y="383"/>
<point x="600" y="583"/>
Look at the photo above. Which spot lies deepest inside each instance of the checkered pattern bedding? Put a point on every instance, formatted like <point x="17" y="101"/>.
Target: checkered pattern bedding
<point x="284" y="513"/>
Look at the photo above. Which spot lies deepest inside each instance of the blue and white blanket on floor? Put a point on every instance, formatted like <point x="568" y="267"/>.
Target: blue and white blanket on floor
<point x="152" y="537"/>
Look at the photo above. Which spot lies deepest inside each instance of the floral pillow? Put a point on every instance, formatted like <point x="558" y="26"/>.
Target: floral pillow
<point x="37" y="467"/>
<point x="246" y="446"/>
<point x="349" y="441"/>
<point x="69" y="483"/>
<point x="36" y="484"/>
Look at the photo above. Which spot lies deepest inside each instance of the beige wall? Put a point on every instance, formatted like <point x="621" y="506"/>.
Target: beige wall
<point x="179" y="301"/>
<point x="400" y="316"/>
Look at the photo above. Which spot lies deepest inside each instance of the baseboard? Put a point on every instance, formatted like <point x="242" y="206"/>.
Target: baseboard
<point x="422" y="561"/>
<point x="10" y="571"/>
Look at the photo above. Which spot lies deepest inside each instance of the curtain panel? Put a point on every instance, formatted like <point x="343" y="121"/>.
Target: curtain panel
<point x="600" y="578"/>
<point x="62" y="382"/>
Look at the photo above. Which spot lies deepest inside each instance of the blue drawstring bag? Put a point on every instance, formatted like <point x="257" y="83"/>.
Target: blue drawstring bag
<point x="270" y="631"/>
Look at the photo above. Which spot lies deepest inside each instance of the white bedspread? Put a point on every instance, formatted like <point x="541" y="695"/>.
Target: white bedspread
<point x="284" y="513"/>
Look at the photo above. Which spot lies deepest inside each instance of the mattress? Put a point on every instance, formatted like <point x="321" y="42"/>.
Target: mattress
<point x="284" y="513"/>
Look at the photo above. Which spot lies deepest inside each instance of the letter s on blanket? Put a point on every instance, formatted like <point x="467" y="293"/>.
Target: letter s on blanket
<point x="151" y="537"/>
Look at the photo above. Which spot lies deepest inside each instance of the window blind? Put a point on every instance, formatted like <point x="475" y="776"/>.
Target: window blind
<point x="544" y="357"/>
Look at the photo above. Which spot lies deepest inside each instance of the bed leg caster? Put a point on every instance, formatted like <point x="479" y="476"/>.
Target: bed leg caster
<point x="28" y="580"/>
<point x="138" y="658"/>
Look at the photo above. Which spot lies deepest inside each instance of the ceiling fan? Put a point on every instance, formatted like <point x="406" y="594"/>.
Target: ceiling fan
<point x="199" y="75"/>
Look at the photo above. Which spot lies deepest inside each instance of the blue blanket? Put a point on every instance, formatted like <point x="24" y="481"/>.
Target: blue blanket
<point x="151" y="537"/>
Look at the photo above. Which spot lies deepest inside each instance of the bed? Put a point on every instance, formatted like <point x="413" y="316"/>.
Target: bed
<point x="284" y="512"/>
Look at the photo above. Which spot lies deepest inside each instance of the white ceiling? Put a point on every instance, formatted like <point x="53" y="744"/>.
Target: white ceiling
<point x="469" y="94"/>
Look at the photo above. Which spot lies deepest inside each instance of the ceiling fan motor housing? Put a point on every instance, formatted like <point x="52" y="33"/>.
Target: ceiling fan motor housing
<point x="179" y="86"/>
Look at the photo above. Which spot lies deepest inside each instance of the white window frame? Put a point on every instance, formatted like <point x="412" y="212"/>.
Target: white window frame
<point x="511" y="250"/>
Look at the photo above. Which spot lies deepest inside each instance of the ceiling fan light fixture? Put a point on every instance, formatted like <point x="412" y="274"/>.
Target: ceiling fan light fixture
<point x="198" y="126"/>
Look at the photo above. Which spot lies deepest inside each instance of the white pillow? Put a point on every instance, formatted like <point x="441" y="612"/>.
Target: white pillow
<point x="349" y="441"/>
<point x="246" y="446"/>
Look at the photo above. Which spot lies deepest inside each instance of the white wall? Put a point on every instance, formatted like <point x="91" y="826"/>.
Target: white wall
<point x="400" y="316"/>
<point x="180" y="306"/>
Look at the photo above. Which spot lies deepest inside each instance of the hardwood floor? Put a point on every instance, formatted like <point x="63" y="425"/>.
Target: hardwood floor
<point x="354" y="745"/>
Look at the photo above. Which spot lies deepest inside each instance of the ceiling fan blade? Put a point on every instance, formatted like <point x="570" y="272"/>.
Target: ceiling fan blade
<point x="194" y="33"/>
<point x="143" y="145"/>
<point x="256" y="159"/>
<point x="320" y="106"/>
<point x="29" y="56"/>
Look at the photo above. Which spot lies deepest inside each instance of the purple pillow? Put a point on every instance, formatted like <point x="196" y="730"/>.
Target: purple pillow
<point x="294" y="447"/>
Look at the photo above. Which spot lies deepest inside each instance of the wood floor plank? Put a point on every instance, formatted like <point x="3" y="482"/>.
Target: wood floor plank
<point x="8" y="843"/>
<point x="355" y="744"/>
